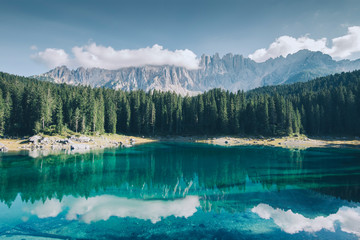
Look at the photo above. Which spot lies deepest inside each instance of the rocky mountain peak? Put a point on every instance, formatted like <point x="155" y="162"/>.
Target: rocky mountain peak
<point x="230" y="72"/>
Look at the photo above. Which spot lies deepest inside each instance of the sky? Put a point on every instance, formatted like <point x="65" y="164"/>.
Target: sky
<point x="38" y="35"/>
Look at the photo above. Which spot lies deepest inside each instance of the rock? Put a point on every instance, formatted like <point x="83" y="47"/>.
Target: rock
<point x="79" y="147"/>
<point x="45" y="140"/>
<point x="232" y="72"/>
<point x="81" y="139"/>
<point x="114" y="143"/>
<point x="35" y="139"/>
<point x="132" y="141"/>
<point x="64" y="141"/>
<point x="226" y="142"/>
<point x="3" y="148"/>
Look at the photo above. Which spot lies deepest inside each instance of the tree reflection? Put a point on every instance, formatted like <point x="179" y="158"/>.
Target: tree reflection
<point x="166" y="171"/>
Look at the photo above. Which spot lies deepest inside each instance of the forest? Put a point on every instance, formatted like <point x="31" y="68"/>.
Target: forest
<point x="325" y="106"/>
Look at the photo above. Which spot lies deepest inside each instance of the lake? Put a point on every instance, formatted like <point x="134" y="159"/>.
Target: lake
<point x="181" y="191"/>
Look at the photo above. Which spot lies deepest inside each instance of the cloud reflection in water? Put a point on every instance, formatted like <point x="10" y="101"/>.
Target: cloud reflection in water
<point x="103" y="207"/>
<point x="290" y="222"/>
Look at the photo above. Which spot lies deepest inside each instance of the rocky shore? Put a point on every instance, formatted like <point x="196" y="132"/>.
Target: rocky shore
<point x="285" y="142"/>
<point x="81" y="143"/>
<point x="72" y="143"/>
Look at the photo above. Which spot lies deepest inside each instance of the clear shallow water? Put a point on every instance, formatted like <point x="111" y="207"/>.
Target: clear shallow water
<point x="182" y="191"/>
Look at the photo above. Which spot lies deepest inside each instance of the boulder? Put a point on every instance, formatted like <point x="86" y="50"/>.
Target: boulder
<point x="35" y="139"/>
<point x="45" y="140"/>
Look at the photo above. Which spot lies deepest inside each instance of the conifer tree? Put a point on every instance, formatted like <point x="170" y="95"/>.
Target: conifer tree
<point x="59" y="116"/>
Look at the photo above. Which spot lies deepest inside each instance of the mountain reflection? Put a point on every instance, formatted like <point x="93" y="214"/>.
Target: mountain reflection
<point x="169" y="171"/>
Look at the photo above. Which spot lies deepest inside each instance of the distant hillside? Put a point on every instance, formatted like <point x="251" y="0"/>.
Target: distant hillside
<point x="231" y="72"/>
<point x="349" y="80"/>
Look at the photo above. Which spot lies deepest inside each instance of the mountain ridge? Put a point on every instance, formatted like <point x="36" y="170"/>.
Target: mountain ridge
<point x="230" y="72"/>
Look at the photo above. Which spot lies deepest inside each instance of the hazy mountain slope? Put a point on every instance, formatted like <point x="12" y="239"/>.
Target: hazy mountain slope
<point x="231" y="72"/>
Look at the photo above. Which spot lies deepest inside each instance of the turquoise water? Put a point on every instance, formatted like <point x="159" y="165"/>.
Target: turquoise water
<point x="182" y="191"/>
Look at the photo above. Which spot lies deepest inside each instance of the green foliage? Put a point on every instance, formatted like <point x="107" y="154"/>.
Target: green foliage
<point x="50" y="130"/>
<point x="328" y="105"/>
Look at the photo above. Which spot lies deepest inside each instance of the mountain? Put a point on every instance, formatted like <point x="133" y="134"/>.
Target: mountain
<point x="231" y="72"/>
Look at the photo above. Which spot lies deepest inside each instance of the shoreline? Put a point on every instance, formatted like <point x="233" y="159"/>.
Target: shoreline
<point x="299" y="142"/>
<point x="84" y="142"/>
<point x="78" y="143"/>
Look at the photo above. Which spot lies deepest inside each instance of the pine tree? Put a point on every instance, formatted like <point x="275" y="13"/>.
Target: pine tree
<point x="223" y="113"/>
<point x="47" y="106"/>
<point x="200" y="110"/>
<point x="2" y="114"/>
<point x="289" y="127"/>
<point x="7" y="111"/>
<point x="100" y="121"/>
<point x="213" y="115"/>
<point x="110" y="116"/>
<point x="272" y="117"/>
<point x="124" y="116"/>
<point x="59" y="117"/>
<point x="76" y="119"/>
<point x="152" y="118"/>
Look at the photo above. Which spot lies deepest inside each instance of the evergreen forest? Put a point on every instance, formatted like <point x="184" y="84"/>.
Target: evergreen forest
<point x="324" y="106"/>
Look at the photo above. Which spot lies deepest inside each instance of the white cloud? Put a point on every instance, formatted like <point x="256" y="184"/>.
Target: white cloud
<point x="342" y="47"/>
<point x="52" y="57"/>
<point x="33" y="47"/>
<point x="348" y="219"/>
<point x="346" y="45"/>
<point x="92" y="55"/>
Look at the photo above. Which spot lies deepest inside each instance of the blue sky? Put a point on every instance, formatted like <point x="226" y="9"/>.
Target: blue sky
<point x="28" y="28"/>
